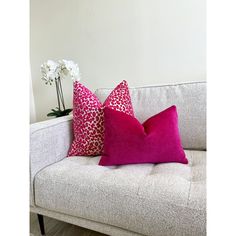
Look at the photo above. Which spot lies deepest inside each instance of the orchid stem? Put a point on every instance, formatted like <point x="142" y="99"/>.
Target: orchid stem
<point x="58" y="98"/>
<point x="61" y="94"/>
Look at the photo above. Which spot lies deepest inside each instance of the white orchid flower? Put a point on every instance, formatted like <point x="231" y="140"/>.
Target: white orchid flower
<point x="50" y="71"/>
<point x="69" y="69"/>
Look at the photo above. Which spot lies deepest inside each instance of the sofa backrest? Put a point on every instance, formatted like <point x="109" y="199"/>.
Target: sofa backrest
<point x="190" y="100"/>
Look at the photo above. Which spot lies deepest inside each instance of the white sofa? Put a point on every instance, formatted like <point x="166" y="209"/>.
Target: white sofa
<point x="142" y="199"/>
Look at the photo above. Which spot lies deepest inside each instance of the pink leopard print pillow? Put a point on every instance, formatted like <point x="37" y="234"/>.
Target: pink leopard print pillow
<point x="88" y="117"/>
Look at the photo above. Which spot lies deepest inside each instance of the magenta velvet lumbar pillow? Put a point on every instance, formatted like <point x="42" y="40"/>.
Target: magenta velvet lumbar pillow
<point x="88" y="117"/>
<point x="127" y="141"/>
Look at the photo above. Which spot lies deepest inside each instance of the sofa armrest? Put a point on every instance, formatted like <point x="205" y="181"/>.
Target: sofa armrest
<point x="49" y="143"/>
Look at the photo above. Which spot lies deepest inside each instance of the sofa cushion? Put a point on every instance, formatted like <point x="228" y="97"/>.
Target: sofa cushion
<point x="150" y="199"/>
<point x="190" y="98"/>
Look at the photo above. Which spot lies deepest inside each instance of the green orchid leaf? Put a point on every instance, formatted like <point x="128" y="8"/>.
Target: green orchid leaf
<point x="58" y="113"/>
<point x="51" y="114"/>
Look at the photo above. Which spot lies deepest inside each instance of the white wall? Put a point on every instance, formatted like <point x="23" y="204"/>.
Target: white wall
<point x="32" y="104"/>
<point x="143" y="41"/>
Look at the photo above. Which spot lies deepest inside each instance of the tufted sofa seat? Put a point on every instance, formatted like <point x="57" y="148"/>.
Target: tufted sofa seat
<point x="143" y="199"/>
<point x="129" y="196"/>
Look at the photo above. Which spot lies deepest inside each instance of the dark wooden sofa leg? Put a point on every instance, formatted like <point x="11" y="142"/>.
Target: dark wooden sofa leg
<point x="41" y="224"/>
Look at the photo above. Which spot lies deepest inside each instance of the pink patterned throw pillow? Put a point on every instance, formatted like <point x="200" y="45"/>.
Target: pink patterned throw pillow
<point x="88" y="117"/>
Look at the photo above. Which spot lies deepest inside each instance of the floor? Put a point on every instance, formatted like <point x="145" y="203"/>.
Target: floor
<point x="58" y="228"/>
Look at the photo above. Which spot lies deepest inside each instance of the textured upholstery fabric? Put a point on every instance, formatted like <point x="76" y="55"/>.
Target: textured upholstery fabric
<point x="165" y="199"/>
<point x="127" y="141"/>
<point x="85" y="223"/>
<point x="190" y="99"/>
<point x="49" y="142"/>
